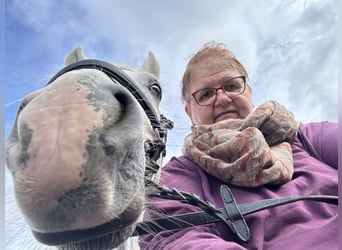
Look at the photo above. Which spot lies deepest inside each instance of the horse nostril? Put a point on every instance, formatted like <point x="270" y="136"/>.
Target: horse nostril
<point x="122" y="98"/>
<point x="109" y="149"/>
<point x="108" y="146"/>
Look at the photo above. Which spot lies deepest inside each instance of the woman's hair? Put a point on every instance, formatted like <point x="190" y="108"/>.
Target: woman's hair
<point x="211" y="55"/>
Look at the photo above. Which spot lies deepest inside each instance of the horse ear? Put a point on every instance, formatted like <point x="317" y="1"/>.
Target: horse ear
<point x="151" y="65"/>
<point x="74" y="56"/>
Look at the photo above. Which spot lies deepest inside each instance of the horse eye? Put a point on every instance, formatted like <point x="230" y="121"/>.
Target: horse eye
<point x="156" y="90"/>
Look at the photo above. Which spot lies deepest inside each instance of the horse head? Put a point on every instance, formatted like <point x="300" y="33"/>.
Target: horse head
<point x="78" y="148"/>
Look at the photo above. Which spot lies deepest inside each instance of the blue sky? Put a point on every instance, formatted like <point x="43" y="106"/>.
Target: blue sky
<point x="288" y="47"/>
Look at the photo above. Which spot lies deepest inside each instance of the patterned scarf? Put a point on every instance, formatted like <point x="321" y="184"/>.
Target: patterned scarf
<point x="246" y="152"/>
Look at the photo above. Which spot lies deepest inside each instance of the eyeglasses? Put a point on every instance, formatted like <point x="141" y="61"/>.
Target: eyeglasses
<point x="233" y="87"/>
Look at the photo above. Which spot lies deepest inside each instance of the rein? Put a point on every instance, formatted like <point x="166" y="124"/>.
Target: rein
<point x="232" y="214"/>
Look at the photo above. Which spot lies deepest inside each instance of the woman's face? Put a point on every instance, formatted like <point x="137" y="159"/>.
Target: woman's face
<point x="224" y="107"/>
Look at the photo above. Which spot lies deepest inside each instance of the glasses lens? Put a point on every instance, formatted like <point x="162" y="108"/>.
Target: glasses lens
<point x="205" y="96"/>
<point x="234" y="86"/>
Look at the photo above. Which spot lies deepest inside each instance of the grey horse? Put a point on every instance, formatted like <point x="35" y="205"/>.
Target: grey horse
<point x="77" y="155"/>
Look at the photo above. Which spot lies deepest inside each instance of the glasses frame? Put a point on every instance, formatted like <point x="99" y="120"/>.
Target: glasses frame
<point x="216" y="89"/>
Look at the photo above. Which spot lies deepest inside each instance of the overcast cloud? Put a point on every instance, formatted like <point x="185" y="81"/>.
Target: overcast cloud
<point x="288" y="47"/>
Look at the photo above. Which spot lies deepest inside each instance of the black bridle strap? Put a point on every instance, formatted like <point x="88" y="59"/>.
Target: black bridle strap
<point x="237" y="222"/>
<point x="74" y="236"/>
<point x="203" y="217"/>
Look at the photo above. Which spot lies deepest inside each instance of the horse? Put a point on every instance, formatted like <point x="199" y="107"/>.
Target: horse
<point x="79" y="150"/>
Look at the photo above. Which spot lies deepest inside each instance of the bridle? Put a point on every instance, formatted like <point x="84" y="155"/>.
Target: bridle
<point x="232" y="214"/>
<point x="155" y="149"/>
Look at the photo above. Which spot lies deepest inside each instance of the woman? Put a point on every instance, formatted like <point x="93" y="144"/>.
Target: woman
<point x="260" y="154"/>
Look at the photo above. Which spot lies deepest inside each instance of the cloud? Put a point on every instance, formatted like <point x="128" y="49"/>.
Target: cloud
<point x="302" y="64"/>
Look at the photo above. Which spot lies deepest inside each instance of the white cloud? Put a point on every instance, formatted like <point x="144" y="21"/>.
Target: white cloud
<point x="303" y="64"/>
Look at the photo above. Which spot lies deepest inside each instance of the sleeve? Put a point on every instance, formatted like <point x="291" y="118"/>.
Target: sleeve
<point x="196" y="237"/>
<point x="200" y="237"/>
<point x="321" y="141"/>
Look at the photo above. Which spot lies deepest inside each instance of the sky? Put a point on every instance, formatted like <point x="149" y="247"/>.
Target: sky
<point x="289" y="48"/>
